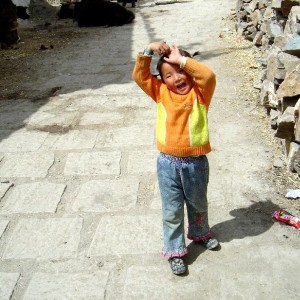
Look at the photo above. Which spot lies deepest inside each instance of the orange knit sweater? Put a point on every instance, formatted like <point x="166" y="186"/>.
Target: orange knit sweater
<point x="182" y="126"/>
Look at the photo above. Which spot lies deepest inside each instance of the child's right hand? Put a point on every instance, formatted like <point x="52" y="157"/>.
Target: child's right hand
<point x="174" y="56"/>
<point x="161" y="48"/>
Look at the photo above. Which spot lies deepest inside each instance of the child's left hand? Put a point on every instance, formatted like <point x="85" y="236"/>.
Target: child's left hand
<point x="174" y="57"/>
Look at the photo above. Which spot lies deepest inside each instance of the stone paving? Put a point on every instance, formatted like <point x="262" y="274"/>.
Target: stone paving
<point x="80" y="213"/>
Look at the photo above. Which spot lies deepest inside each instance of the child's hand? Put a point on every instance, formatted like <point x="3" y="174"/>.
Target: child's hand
<point x="174" y="57"/>
<point x="161" y="48"/>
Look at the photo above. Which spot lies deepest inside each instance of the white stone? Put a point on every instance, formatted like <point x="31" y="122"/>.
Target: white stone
<point x="67" y="286"/>
<point x="140" y="162"/>
<point x="7" y="284"/>
<point x="59" y="122"/>
<point x="90" y="102"/>
<point x="30" y="164"/>
<point x="127" y="136"/>
<point x="3" y="225"/>
<point x="52" y="238"/>
<point x="109" y="97"/>
<point x="117" y="235"/>
<point x="107" y="195"/>
<point x="95" y="118"/>
<point x="162" y="284"/>
<point x="93" y="163"/>
<point x="37" y="197"/>
<point x="130" y="101"/>
<point x="144" y="117"/>
<point x="4" y="187"/>
<point x="156" y="200"/>
<point x="75" y="139"/>
<point x="21" y="140"/>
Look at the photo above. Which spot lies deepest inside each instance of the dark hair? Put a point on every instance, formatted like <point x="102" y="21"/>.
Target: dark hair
<point x="162" y="60"/>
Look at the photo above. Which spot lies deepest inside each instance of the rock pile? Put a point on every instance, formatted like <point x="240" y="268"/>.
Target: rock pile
<point x="274" y="27"/>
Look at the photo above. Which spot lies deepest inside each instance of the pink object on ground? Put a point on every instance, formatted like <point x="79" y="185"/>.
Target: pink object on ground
<point x="285" y="217"/>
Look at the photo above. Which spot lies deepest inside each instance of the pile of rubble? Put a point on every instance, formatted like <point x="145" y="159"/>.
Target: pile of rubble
<point x="274" y="27"/>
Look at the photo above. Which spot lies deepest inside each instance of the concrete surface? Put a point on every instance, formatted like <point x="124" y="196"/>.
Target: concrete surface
<point x="80" y="216"/>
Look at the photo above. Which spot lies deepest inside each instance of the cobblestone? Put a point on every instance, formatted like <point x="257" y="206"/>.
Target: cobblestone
<point x="80" y="209"/>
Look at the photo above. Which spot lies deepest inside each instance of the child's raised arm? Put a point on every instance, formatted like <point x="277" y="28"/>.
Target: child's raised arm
<point x="141" y="72"/>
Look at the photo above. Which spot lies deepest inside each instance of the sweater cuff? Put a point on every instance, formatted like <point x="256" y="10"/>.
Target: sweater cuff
<point x="148" y="52"/>
<point x="183" y="62"/>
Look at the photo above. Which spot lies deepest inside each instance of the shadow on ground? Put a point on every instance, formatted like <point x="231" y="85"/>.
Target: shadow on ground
<point x="247" y="221"/>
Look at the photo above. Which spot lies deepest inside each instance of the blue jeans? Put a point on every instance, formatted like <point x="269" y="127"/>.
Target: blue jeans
<point x="183" y="180"/>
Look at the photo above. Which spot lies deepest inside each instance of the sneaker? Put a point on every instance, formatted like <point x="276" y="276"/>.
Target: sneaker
<point x="177" y="265"/>
<point x="210" y="243"/>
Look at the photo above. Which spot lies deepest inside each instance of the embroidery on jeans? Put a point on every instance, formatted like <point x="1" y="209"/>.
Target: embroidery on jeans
<point x="200" y="218"/>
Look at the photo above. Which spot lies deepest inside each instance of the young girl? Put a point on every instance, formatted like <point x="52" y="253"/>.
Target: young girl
<point x="182" y="94"/>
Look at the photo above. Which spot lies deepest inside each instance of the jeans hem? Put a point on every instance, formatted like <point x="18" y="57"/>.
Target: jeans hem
<point x="174" y="253"/>
<point x="201" y="238"/>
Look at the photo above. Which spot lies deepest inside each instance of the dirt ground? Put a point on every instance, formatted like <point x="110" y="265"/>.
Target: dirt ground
<point x="37" y="40"/>
<point x="44" y="35"/>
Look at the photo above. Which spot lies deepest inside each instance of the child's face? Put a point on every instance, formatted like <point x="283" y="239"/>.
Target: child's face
<point x="177" y="80"/>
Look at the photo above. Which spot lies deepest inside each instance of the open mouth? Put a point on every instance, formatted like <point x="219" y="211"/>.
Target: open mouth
<point x="181" y="86"/>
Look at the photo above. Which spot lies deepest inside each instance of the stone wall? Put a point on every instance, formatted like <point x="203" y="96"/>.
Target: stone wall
<point x="274" y="28"/>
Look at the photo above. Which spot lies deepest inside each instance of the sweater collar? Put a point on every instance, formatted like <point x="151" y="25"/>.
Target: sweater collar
<point x="179" y="98"/>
